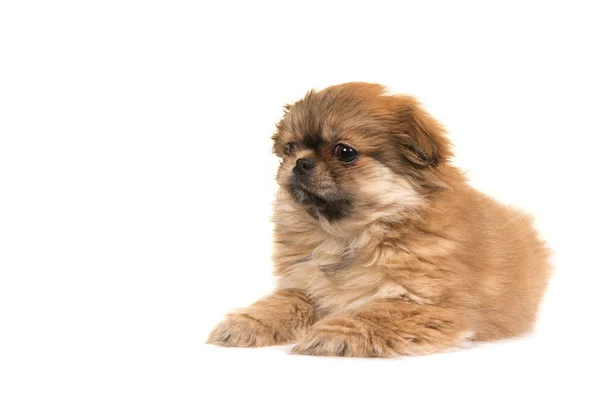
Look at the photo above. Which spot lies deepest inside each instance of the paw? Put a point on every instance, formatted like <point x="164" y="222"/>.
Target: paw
<point x="341" y="337"/>
<point x="241" y="330"/>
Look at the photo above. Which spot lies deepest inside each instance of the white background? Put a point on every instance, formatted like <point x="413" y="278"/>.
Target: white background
<point x="136" y="182"/>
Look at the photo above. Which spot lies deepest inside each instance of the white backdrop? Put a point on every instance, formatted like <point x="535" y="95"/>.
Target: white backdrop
<point x="136" y="181"/>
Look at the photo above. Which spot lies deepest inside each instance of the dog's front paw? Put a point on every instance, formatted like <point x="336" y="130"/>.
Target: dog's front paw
<point x="241" y="330"/>
<point x="341" y="337"/>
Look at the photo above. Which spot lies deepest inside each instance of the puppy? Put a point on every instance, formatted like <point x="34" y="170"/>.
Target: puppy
<point x="381" y="247"/>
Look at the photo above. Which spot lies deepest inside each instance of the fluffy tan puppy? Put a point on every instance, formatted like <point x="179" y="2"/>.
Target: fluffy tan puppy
<point x="381" y="246"/>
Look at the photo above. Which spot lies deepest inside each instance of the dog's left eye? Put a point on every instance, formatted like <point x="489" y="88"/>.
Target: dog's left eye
<point x="345" y="154"/>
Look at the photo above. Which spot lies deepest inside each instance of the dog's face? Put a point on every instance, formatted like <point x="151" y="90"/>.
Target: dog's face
<point x="354" y="152"/>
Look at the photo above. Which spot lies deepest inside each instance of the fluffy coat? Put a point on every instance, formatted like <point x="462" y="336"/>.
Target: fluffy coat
<point x="392" y="253"/>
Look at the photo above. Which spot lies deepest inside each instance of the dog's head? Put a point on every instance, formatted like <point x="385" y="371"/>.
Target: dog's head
<point x="355" y="151"/>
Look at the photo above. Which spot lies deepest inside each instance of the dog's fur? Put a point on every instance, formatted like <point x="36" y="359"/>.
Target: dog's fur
<point x="393" y="254"/>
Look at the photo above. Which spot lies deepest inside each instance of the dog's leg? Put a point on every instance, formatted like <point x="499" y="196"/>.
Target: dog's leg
<point x="279" y="318"/>
<point x="386" y="328"/>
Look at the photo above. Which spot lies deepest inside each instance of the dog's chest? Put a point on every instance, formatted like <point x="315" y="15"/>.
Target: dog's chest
<point x="332" y="271"/>
<point x="341" y="274"/>
<point x="312" y="256"/>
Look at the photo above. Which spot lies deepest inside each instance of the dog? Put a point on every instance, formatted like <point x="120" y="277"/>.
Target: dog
<point x="381" y="247"/>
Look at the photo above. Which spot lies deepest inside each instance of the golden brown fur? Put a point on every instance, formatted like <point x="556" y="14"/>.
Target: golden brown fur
<point x="392" y="253"/>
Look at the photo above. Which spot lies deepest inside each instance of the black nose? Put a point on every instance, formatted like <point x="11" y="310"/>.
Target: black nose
<point x="303" y="165"/>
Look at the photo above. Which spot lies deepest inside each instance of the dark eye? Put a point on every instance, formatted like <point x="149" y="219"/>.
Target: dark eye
<point x="345" y="154"/>
<point x="290" y="147"/>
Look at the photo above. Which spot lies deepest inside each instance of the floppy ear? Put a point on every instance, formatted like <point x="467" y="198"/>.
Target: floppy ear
<point x="278" y="146"/>
<point x="420" y="137"/>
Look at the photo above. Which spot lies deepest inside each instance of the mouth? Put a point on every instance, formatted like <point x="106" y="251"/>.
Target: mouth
<point x="318" y="206"/>
<point x="305" y="197"/>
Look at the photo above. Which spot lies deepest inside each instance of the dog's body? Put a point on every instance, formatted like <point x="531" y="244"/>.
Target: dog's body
<point x="381" y="247"/>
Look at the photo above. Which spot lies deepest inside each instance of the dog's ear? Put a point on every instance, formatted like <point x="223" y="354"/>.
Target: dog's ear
<point x="278" y="146"/>
<point x="421" y="139"/>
